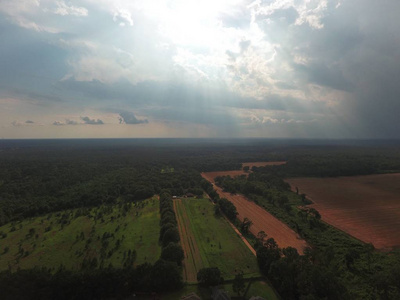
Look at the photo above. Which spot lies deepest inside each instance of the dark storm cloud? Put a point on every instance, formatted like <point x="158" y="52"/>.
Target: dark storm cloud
<point x="372" y="64"/>
<point x="89" y="121"/>
<point x="130" y="118"/>
<point x="357" y="51"/>
<point x="29" y="122"/>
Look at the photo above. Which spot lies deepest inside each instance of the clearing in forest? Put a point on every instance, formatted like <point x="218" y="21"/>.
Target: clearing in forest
<point x="126" y="233"/>
<point x="262" y="220"/>
<point x="234" y="173"/>
<point x="366" y="207"/>
<point x="209" y="241"/>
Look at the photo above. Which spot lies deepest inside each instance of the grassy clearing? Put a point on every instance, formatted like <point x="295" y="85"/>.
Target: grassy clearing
<point x="218" y="244"/>
<point x="100" y="236"/>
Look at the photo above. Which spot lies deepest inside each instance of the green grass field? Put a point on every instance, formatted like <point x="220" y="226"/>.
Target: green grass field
<point x="218" y="244"/>
<point x="100" y="236"/>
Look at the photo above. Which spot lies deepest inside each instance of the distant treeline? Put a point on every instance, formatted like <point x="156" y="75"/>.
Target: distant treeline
<point x="38" y="177"/>
<point x="340" y="161"/>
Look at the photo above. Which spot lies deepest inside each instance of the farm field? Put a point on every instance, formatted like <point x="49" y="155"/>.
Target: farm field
<point x="119" y="234"/>
<point x="209" y="241"/>
<point x="262" y="220"/>
<point x="366" y="207"/>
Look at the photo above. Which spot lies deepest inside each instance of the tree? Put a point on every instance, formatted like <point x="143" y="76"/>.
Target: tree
<point x="166" y="276"/>
<point x="238" y="285"/>
<point x="171" y="235"/>
<point x="217" y="210"/>
<point x="228" y="208"/>
<point x="268" y="254"/>
<point x="369" y="251"/>
<point x="244" y="227"/>
<point x="260" y="239"/>
<point x="209" y="276"/>
<point x="164" y="229"/>
<point x="246" y="168"/>
<point x="173" y="252"/>
<point x="261" y="236"/>
<point x="290" y="253"/>
<point x="350" y="258"/>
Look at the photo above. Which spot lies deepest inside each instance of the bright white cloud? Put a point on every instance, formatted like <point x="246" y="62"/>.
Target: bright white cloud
<point x="25" y="14"/>
<point x="122" y="17"/>
<point x="63" y="9"/>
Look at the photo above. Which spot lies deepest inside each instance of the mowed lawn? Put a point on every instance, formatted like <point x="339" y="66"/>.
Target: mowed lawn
<point x="218" y="244"/>
<point x="117" y="235"/>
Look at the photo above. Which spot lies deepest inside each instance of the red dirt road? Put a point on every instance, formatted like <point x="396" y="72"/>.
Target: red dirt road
<point x="366" y="207"/>
<point x="262" y="220"/>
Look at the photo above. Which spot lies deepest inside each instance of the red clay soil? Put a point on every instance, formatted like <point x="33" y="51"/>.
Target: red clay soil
<point x="366" y="207"/>
<point x="262" y="220"/>
<point x="192" y="262"/>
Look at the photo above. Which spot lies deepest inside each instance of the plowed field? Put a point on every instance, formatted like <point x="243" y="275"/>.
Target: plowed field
<point x="262" y="220"/>
<point x="367" y="207"/>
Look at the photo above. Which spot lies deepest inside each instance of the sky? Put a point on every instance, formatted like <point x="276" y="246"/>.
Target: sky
<point x="210" y="68"/>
